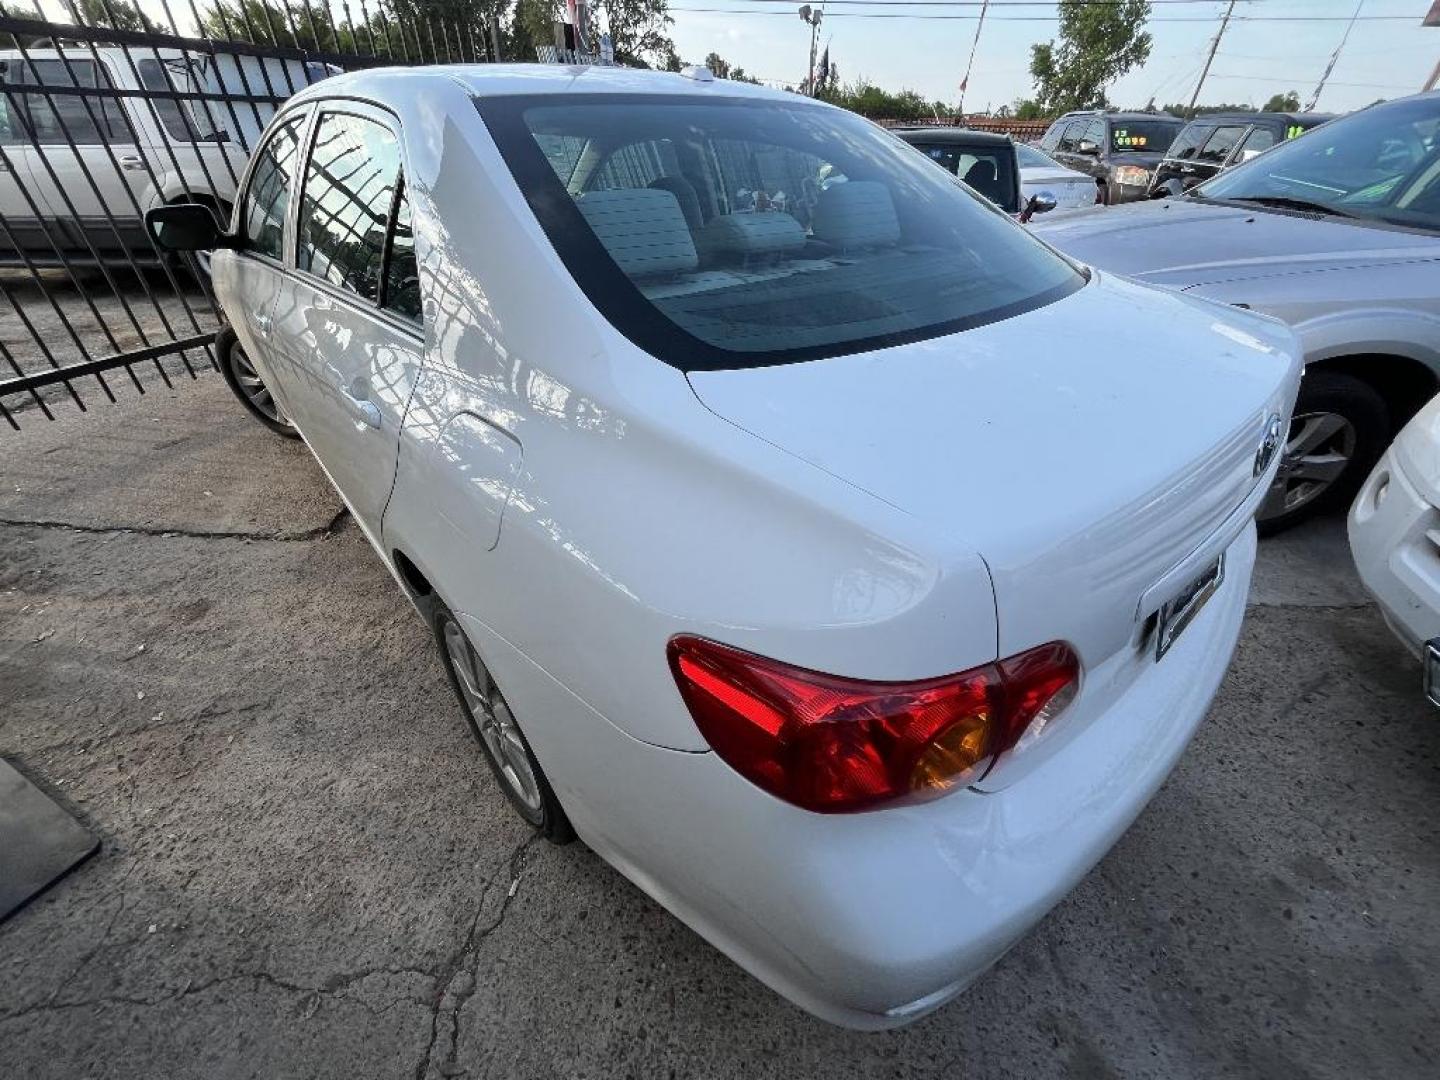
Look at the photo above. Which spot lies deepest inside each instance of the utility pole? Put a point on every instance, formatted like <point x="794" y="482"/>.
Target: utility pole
<point x="1214" y="45"/>
<point x="811" y="16"/>
<point x="1432" y="18"/>
<point x="1315" y="97"/>
<point x="965" y="82"/>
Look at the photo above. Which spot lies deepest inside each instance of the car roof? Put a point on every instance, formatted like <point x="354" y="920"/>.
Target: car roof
<point x="1106" y="114"/>
<point x="952" y="135"/>
<point x="496" y="80"/>
<point x="1299" y="118"/>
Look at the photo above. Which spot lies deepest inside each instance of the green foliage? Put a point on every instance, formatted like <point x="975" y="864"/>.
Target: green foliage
<point x="1099" y="42"/>
<point x="867" y="99"/>
<point x="1286" y="102"/>
<point x="1028" y="109"/>
<point x="723" y="69"/>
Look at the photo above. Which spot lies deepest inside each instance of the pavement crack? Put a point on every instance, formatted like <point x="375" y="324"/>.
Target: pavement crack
<point x="319" y="532"/>
<point x="456" y="983"/>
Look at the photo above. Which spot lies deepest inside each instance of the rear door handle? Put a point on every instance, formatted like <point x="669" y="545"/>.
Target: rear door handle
<point x="363" y="410"/>
<point x="132" y="163"/>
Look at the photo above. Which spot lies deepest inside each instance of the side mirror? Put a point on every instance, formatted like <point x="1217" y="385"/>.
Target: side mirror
<point x="1042" y="202"/>
<point x="186" y="227"/>
<point x="1088" y="146"/>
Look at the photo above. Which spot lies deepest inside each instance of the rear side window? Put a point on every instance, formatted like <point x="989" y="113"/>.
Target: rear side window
<point x="192" y="121"/>
<point x="86" y="121"/>
<point x="268" y="196"/>
<point x="349" y="192"/>
<point x="1219" y="145"/>
<point x="402" y="277"/>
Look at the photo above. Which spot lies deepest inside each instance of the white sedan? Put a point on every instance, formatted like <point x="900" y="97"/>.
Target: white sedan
<point x="1395" y="538"/>
<point x="770" y="541"/>
<point x="1040" y="173"/>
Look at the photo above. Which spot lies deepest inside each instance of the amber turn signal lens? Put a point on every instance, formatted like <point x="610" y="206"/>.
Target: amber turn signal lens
<point x="955" y="757"/>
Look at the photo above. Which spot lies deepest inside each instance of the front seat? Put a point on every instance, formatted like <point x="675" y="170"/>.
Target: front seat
<point x="981" y="176"/>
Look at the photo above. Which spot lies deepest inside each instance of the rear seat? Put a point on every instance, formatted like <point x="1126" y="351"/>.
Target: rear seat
<point x="643" y="230"/>
<point x="856" y="214"/>
<point x="745" y="236"/>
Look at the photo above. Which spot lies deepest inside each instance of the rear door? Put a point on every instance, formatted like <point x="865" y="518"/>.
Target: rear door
<point x="85" y="164"/>
<point x="348" y="337"/>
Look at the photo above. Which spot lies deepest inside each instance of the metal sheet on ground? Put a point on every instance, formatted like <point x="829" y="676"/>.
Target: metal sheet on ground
<point x="39" y="841"/>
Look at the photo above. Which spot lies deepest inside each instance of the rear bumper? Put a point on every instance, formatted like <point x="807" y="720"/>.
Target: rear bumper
<point x="1395" y="537"/>
<point x="871" y="920"/>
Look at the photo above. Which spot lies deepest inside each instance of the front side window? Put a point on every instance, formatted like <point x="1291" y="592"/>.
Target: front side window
<point x="65" y="118"/>
<point x="1070" y="137"/>
<point x="1142" y="136"/>
<point x="268" y="197"/>
<point x="1031" y="158"/>
<point x="1189" y="141"/>
<point x="1380" y="164"/>
<point x="1217" y="148"/>
<point x="349" y="191"/>
<point x="764" y="232"/>
<point x="1256" y="143"/>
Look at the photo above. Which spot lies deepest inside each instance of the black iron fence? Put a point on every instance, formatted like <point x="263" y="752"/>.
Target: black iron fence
<point x="102" y="118"/>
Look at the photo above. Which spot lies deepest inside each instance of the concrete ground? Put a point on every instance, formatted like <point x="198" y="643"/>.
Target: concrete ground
<point x="307" y="871"/>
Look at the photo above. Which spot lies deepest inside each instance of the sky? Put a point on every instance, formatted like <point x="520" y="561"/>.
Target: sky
<point x="1382" y="58"/>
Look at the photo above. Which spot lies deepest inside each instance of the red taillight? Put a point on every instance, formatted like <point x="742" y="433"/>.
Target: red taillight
<point x="830" y="744"/>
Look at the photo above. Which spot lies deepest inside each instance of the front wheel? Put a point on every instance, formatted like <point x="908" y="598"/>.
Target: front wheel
<point x="496" y="730"/>
<point x="1340" y="428"/>
<point x="247" y="385"/>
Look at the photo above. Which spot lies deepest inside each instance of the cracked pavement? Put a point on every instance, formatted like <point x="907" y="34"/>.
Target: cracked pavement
<point x="307" y="871"/>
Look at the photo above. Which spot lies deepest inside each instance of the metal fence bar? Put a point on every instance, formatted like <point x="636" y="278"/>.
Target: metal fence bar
<point x="172" y="94"/>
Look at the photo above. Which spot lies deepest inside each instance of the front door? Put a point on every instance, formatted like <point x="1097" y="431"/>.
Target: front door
<point x="21" y="224"/>
<point x="348" y="342"/>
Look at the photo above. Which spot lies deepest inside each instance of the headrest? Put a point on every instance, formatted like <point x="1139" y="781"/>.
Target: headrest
<point x="642" y="229"/>
<point x="742" y="235"/>
<point x="857" y="213"/>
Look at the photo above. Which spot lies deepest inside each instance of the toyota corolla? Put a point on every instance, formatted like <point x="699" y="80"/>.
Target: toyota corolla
<point x="841" y="563"/>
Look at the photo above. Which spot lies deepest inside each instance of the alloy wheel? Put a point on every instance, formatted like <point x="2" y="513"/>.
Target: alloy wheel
<point x="1318" y="450"/>
<point x="494" y="722"/>
<point x="253" y="386"/>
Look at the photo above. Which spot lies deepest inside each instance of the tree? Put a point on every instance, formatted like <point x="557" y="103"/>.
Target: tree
<point x="723" y="69"/>
<point x="1028" y="109"/>
<point x="1286" y="102"/>
<point x="638" y="30"/>
<point x="1099" y="42"/>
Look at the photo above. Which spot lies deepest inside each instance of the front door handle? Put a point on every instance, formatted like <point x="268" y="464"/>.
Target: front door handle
<point x="133" y="163"/>
<point x="363" y="410"/>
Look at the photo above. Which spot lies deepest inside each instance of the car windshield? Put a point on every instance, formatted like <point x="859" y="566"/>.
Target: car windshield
<point x="1030" y="158"/>
<point x="721" y="233"/>
<point x="1143" y="136"/>
<point x="1380" y="164"/>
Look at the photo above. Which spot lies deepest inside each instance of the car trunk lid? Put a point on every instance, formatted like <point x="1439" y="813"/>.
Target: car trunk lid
<point x="1083" y="449"/>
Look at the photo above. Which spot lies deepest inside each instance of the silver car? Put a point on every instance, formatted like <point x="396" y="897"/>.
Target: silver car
<point x="1337" y="233"/>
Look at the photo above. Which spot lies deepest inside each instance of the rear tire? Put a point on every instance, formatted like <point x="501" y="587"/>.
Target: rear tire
<point x="496" y="730"/>
<point x="247" y="385"/>
<point x="1340" y="428"/>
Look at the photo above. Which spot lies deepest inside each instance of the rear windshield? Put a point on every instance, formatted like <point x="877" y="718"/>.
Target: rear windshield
<point x="988" y="169"/>
<point x="1143" y="136"/>
<point x="726" y="232"/>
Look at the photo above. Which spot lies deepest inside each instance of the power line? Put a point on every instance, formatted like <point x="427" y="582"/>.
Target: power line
<point x="788" y="14"/>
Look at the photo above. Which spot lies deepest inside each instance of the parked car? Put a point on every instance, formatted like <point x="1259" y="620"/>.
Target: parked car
<point x="1041" y="174"/>
<point x="1210" y="144"/>
<point x="130" y="153"/>
<point x="984" y="160"/>
<point x="1394" y="525"/>
<point x="1338" y="234"/>
<point x="769" y="540"/>
<point x="1118" y="149"/>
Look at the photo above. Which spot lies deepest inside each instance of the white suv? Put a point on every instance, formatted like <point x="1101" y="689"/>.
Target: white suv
<point x="131" y="153"/>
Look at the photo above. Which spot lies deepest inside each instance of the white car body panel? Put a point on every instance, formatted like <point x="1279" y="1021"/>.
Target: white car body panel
<point x="578" y="502"/>
<point x="1394" y="527"/>
<point x="1072" y="190"/>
